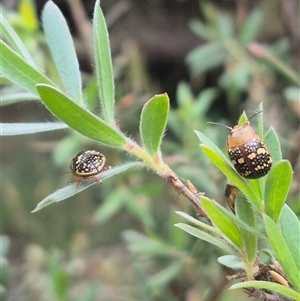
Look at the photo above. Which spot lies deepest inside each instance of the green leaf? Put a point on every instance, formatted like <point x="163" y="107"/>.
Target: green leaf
<point x="198" y="223"/>
<point x="257" y="187"/>
<point x="244" y="212"/>
<point x="205" y="140"/>
<point x="206" y="57"/>
<point x="17" y="97"/>
<point x="272" y="142"/>
<point x="243" y="119"/>
<point x="104" y="71"/>
<point x="225" y="27"/>
<point x="233" y="217"/>
<point x="136" y="210"/>
<point x="20" y="72"/>
<point x="277" y="187"/>
<point x="271" y="286"/>
<point x="59" y="276"/>
<point x="165" y="276"/>
<point x="204" y="101"/>
<point x="110" y="206"/>
<point x="232" y="175"/>
<point x="78" y="118"/>
<point x="240" y="223"/>
<point x="200" y="29"/>
<point x="290" y="229"/>
<point x="4" y="246"/>
<point x="292" y="93"/>
<point x="153" y="122"/>
<point x="184" y="94"/>
<point x="12" y="129"/>
<point x="62" y="48"/>
<point x="251" y="27"/>
<point x="71" y="189"/>
<point x="7" y="31"/>
<point x="232" y="261"/>
<point x="223" y="222"/>
<point x="282" y="252"/>
<point x="144" y="245"/>
<point x="205" y="236"/>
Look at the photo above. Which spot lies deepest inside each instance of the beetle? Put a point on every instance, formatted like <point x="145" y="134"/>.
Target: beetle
<point x="86" y="165"/>
<point x="231" y="192"/>
<point x="247" y="152"/>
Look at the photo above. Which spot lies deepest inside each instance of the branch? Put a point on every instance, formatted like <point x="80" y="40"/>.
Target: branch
<point x="191" y="196"/>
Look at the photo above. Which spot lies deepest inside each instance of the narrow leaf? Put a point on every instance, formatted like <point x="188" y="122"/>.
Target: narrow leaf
<point x="20" y="72"/>
<point x="145" y="245"/>
<point x="270" y="286"/>
<point x="232" y="176"/>
<point x="225" y="27"/>
<point x="282" y="252"/>
<point x="198" y="223"/>
<point x="200" y="29"/>
<point x="277" y="187"/>
<point x="290" y="229"/>
<point x="7" y="31"/>
<point x="153" y="122"/>
<point x="71" y="189"/>
<point x="104" y="70"/>
<point x="12" y="129"/>
<point x="272" y="142"/>
<point x="165" y="276"/>
<point x="244" y="212"/>
<point x="257" y="187"/>
<point x="78" y="118"/>
<point x="62" y="48"/>
<point x="206" y="57"/>
<point x="223" y="222"/>
<point x="205" y="140"/>
<point x="17" y="97"/>
<point x="251" y="27"/>
<point x="110" y="206"/>
<point x="232" y="261"/>
<point x="205" y="236"/>
<point x="239" y="222"/>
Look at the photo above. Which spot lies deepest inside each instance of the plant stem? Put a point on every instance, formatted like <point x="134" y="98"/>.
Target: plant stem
<point x="157" y="164"/>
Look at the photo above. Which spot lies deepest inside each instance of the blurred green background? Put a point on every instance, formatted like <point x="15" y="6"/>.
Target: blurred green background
<point x="117" y="241"/>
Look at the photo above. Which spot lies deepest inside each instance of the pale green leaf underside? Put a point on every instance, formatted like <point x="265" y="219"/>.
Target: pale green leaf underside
<point x="198" y="223"/>
<point x="232" y="261"/>
<point x="71" y="189"/>
<point x="12" y="129"/>
<point x="104" y="70"/>
<point x="205" y="236"/>
<point x="9" y="99"/>
<point x="62" y="48"/>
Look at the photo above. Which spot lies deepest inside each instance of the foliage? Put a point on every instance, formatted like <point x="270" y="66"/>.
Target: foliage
<point x="5" y="267"/>
<point x="243" y="60"/>
<point x="68" y="104"/>
<point x="263" y="201"/>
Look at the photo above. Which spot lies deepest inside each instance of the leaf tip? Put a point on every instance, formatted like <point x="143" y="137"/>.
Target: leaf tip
<point x="35" y="210"/>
